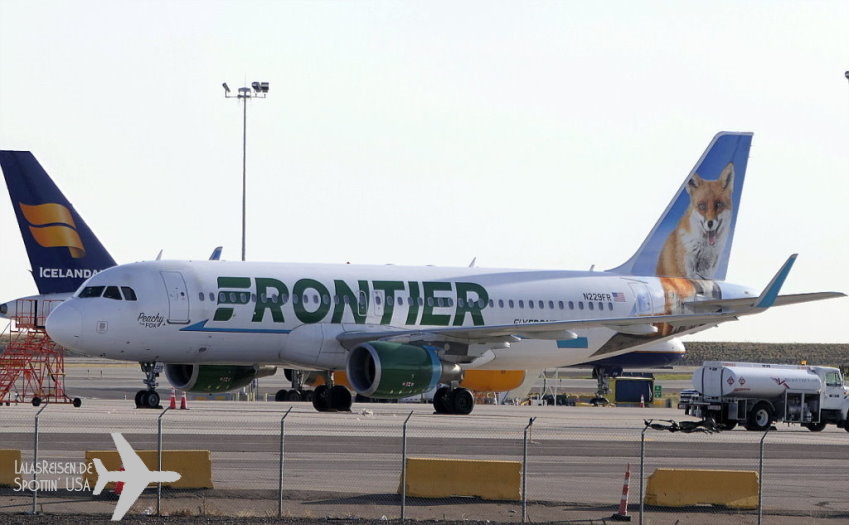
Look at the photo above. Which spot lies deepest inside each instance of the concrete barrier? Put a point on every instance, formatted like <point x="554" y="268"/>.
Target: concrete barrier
<point x="8" y="459"/>
<point x="195" y="466"/>
<point x="737" y="489"/>
<point x="443" y="478"/>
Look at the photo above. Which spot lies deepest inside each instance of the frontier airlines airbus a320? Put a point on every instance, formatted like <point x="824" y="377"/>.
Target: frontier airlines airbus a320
<point x="398" y="331"/>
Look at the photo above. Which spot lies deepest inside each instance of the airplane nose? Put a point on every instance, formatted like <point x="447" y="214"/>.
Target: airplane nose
<point x="64" y="325"/>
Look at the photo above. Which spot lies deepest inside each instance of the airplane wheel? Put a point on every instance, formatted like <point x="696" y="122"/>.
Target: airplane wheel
<point x="340" y="398"/>
<point x="320" y="398"/>
<point x="293" y="395"/>
<point x="442" y="400"/>
<point x="151" y="399"/>
<point x="36" y="401"/>
<point x="140" y="398"/>
<point x="280" y="395"/>
<point x="462" y="401"/>
<point x="308" y="395"/>
<point x="77" y="402"/>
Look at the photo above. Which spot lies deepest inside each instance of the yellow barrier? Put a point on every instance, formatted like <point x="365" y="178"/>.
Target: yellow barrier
<point x="737" y="489"/>
<point x="194" y="466"/>
<point x="442" y="478"/>
<point x="8" y="459"/>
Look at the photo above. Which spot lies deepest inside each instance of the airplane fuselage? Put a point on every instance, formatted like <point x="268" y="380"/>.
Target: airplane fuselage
<point x="215" y="312"/>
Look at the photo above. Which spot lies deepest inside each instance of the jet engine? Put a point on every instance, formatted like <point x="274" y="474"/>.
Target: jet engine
<point x="214" y="378"/>
<point x="388" y="370"/>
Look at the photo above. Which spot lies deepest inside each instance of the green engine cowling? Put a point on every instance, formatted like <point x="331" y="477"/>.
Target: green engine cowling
<point x="387" y="370"/>
<point x="214" y="378"/>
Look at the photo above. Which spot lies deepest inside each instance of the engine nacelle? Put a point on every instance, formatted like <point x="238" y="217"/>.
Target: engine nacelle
<point x="387" y="370"/>
<point x="214" y="378"/>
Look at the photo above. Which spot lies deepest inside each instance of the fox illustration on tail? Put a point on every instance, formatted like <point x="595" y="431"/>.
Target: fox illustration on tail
<point x="694" y="247"/>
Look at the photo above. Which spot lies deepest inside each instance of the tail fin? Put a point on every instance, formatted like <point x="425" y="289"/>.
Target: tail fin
<point x="693" y="236"/>
<point x="102" y="478"/>
<point x="62" y="249"/>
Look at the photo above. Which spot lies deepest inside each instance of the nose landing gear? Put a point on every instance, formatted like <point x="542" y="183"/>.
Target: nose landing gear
<point x="148" y="398"/>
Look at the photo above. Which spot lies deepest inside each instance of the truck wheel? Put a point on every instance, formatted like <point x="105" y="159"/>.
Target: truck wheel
<point x="760" y="417"/>
<point x="814" y="427"/>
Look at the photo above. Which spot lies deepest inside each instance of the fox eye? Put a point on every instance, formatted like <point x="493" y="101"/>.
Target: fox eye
<point x="702" y="206"/>
<point x="720" y="205"/>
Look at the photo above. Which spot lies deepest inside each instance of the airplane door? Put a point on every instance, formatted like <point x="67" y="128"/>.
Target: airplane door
<point x="178" y="297"/>
<point x="378" y="298"/>
<point x="642" y="298"/>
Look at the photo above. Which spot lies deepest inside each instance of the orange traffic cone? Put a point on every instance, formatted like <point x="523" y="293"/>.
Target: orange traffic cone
<point x="622" y="515"/>
<point x="183" y="402"/>
<point x="173" y="404"/>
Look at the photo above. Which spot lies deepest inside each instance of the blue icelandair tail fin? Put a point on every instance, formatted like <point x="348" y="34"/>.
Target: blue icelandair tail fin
<point x="693" y="237"/>
<point x="62" y="249"/>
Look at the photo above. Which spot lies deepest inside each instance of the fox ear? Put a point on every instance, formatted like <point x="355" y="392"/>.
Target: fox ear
<point x="694" y="182"/>
<point x="727" y="176"/>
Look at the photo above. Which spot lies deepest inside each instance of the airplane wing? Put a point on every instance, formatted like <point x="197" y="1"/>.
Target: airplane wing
<point x="712" y="312"/>
<point x="129" y="459"/>
<point x="130" y="493"/>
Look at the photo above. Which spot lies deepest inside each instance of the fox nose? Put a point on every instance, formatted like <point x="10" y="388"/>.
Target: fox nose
<point x="64" y="325"/>
<point x="710" y="224"/>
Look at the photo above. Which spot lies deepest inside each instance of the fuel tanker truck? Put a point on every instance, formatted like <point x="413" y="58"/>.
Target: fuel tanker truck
<point x="757" y="395"/>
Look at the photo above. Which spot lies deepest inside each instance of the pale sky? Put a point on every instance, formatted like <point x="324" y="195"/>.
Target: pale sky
<point x="526" y="134"/>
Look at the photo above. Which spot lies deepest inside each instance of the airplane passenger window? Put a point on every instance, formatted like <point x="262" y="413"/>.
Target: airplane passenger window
<point x="129" y="293"/>
<point x="590" y="306"/>
<point x="211" y="296"/>
<point x="501" y="303"/>
<point x="92" y="291"/>
<point x="200" y="296"/>
<point x="551" y="304"/>
<point x="530" y="304"/>
<point x="601" y="306"/>
<point x="420" y="301"/>
<point x="460" y="302"/>
<point x="560" y="304"/>
<point x="510" y="303"/>
<point x="521" y="303"/>
<point x="296" y="299"/>
<point x="400" y="301"/>
<point x="376" y="299"/>
<point x="481" y="304"/>
<point x="491" y="303"/>
<point x="610" y="306"/>
<point x="112" y="292"/>
<point x="430" y="301"/>
<point x="580" y="305"/>
<point x="541" y="305"/>
<point x="389" y="300"/>
<point x="253" y="297"/>
<point x="325" y="299"/>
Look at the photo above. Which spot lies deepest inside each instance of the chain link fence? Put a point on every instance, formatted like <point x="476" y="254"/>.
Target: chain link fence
<point x="285" y="460"/>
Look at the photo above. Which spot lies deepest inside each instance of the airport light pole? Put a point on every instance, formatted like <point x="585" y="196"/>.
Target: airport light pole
<point x="260" y="90"/>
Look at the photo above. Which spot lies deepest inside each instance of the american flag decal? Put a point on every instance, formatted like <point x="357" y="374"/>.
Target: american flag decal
<point x="619" y="297"/>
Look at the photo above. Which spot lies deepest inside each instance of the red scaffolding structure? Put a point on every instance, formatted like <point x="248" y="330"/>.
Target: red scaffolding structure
<point x="32" y="367"/>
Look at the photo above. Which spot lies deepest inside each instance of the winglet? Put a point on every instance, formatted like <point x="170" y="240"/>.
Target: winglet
<point x="101" y="476"/>
<point x="216" y="253"/>
<point x="767" y="298"/>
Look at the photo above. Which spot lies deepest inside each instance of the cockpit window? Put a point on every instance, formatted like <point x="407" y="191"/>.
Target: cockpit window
<point x="92" y="291"/>
<point x="112" y="293"/>
<point x="129" y="293"/>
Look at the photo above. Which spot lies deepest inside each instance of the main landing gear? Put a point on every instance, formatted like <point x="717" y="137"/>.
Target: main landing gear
<point x="449" y="400"/>
<point x="148" y="398"/>
<point x="297" y="393"/>
<point x="602" y="376"/>
<point x="331" y="398"/>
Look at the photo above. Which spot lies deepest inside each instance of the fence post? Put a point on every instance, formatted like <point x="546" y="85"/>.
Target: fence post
<point x="642" y="469"/>
<point x="35" y="459"/>
<point x="525" y="470"/>
<point x="404" y="468"/>
<point x="280" y="478"/>
<point x="761" y="476"/>
<point x="159" y="464"/>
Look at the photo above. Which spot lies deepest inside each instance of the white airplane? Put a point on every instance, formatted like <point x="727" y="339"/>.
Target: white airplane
<point x="398" y="331"/>
<point x="135" y="476"/>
